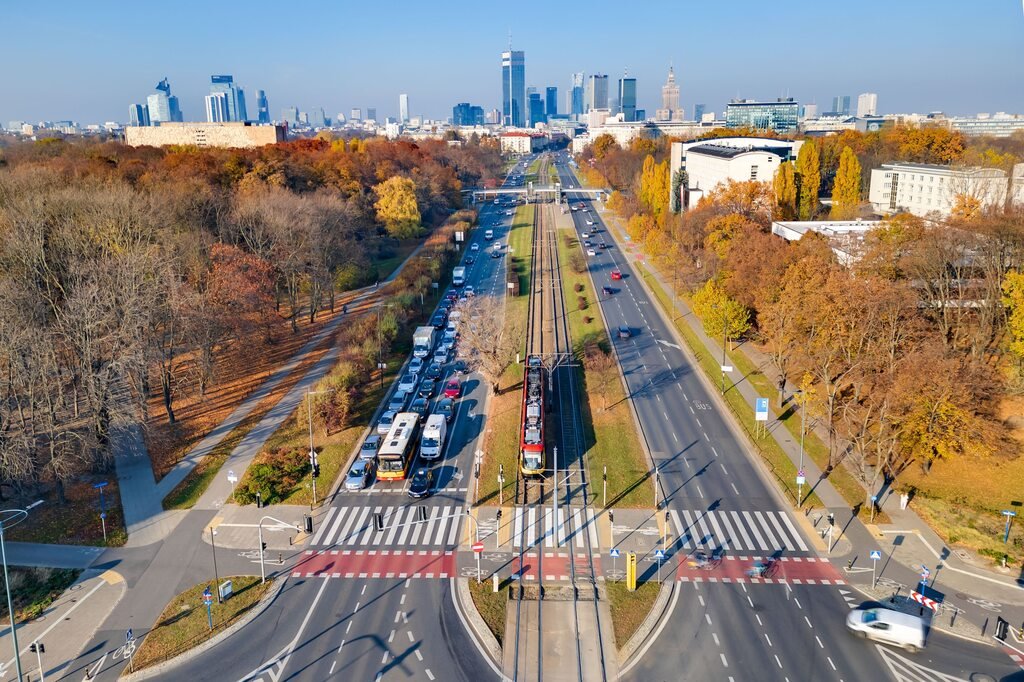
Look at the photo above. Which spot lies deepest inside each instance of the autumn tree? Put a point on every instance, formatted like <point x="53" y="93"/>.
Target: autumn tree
<point x="808" y="178"/>
<point x="487" y="345"/>
<point x="846" y="190"/>
<point x="785" y="192"/>
<point x="654" y="188"/>
<point x="603" y="144"/>
<point x="397" y="208"/>
<point x="721" y="316"/>
<point x="1013" y="299"/>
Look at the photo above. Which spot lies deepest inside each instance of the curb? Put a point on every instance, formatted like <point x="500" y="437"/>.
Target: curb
<point x="184" y="657"/>
<point x="658" y="612"/>
<point x="478" y="628"/>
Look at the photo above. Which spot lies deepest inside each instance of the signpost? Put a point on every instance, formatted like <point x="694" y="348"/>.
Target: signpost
<point x="1009" y="518"/>
<point x="615" y="555"/>
<point x="103" y="509"/>
<point x="660" y="556"/>
<point x="478" y="548"/>
<point x="876" y="554"/>
<point x="874" y="501"/>
<point x="925" y="601"/>
<point x="232" y="479"/>
<point x="761" y="410"/>
<point x="208" y="600"/>
<point x="800" y="480"/>
<point x="924" y="577"/>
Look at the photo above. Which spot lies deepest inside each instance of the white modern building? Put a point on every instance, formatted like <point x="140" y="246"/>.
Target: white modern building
<point x="522" y="143"/>
<point x="930" y="190"/>
<point x="1000" y="124"/>
<point x="710" y="163"/>
<point x="867" y="104"/>
<point x="846" y="237"/>
<point x="827" y="124"/>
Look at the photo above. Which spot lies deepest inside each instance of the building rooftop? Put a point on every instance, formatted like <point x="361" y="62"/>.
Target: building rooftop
<point x="940" y="168"/>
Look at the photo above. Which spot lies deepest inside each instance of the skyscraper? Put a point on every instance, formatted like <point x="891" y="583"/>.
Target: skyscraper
<point x="217" y="108"/>
<point x="841" y="104"/>
<point x="466" y="114"/>
<point x="356" y="114"/>
<point x="670" y="110"/>
<point x="291" y="115"/>
<point x="513" y="88"/>
<point x="576" y="106"/>
<point x="597" y="92"/>
<point x="536" y="109"/>
<point x="698" y="112"/>
<point x="627" y="98"/>
<point x="162" y="105"/>
<point x="551" y="105"/>
<point x="371" y="113"/>
<point x="403" y="108"/>
<point x="867" y="104"/>
<point x="262" y="107"/>
<point x="234" y="96"/>
<point x="138" y="115"/>
<point x="317" y="118"/>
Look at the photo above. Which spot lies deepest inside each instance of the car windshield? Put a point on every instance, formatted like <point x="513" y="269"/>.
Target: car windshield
<point x="430" y="442"/>
<point x="358" y="469"/>
<point x="419" y="479"/>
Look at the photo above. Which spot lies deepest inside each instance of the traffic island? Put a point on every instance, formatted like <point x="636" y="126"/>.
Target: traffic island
<point x="491" y="605"/>
<point x="630" y="609"/>
<point x="187" y="622"/>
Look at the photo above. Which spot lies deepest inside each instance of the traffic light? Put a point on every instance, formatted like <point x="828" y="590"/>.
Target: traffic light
<point x="263" y="547"/>
<point x="37" y="647"/>
<point x="421" y="513"/>
<point x="831" y="519"/>
<point x="378" y="522"/>
<point x="316" y="470"/>
<point x="308" y="522"/>
<point x="1002" y="626"/>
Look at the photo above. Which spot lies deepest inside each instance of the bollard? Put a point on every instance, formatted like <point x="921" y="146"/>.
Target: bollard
<point x="495" y="581"/>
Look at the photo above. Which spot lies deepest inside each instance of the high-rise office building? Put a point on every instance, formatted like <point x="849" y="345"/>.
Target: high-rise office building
<point x="551" y="101"/>
<point x="867" y="104"/>
<point x="698" y="112"/>
<point x="356" y="114"/>
<point x="841" y="104"/>
<point x="217" y="108"/>
<point x="290" y="115"/>
<point x="513" y="88"/>
<point x="809" y="111"/>
<point x="162" y="105"/>
<point x="233" y="94"/>
<point x="641" y="115"/>
<point x="576" y="103"/>
<point x="262" y="107"/>
<point x="317" y="118"/>
<point x="627" y="98"/>
<point x="138" y="115"/>
<point x="536" y="109"/>
<point x="403" y="108"/>
<point x="780" y="115"/>
<point x="371" y="113"/>
<point x="670" y="110"/>
<point x="597" y="92"/>
<point x="466" y="114"/>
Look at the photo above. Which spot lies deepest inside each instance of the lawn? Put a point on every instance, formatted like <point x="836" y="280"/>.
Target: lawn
<point x="611" y="440"/>
<point x="77" y="520"/>
<point x="501" y="444"/>
<point x="386" y="266"/>
<point x="184" y="623"/>
<point x="630" y="609"/>
<point x="491" y="605"/>
<point x="34" y="589"/>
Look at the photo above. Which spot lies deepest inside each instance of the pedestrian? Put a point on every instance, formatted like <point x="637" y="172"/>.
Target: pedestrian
<point x="904" y="500"/>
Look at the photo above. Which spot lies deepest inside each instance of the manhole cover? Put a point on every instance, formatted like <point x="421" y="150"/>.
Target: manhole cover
<point x="981" y="677"/>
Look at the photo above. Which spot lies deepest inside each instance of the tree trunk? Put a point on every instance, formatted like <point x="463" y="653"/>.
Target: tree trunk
<point x="165" y="385"/>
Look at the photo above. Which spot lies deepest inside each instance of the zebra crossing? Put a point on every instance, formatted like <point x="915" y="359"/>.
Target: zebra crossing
<point x="570" y="526"/>
<point x="353" y="527"/>
<point x="737" y="530"/>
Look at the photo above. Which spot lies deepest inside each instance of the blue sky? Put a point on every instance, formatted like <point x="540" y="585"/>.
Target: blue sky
<point x="89" y="61"/>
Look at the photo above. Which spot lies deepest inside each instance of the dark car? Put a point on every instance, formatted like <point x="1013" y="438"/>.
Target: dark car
<point x="603" y="245"/>
<point x="624" y="332"/>
<point x="445" y="406"/>
<point x="433" y="372"/>
<point x="419" y="485"/>
<point x="427" y="388"/>
<point x="419" y="406"/>
<point x="607" y="291"/>
<point x="439" y="321"/>
<point x="470" y="260"/>
<point x="451" y="295"/>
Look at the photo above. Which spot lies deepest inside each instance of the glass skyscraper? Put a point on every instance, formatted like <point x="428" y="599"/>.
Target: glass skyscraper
<point x="551" y="103"/>
<point x="138" y="115"/>
<point x="578" y="79"/>
<point x="781" y="115"/>
<point x="597" y="93"/>
<point x="536" y="108"/>
<point x="162" y="105"/>
<point x="627" y="98"/>
<point x="513" y="88"/>
<point x="233" y="95"/>
<point x="262" y="107"/>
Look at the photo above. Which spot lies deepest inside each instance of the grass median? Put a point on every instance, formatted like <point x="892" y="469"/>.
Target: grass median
<point x="610" y="438"/>
<point x="501" y="444"/>
<point x="184" y="623"/>
<point x="491" y="605"/>
<point x="630" y="609"/>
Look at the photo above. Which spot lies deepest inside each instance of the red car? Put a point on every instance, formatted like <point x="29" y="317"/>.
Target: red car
<point x="452" y="389"/>
<point x="616" y="274"/>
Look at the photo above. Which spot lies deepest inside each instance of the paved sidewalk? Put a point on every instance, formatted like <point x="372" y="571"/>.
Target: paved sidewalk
<point x="64" y="628"/>
<point x="918" y="540"/>
<point x="53" y="556"/>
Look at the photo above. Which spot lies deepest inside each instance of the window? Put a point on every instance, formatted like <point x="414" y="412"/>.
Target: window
<point x="753" y="172"/>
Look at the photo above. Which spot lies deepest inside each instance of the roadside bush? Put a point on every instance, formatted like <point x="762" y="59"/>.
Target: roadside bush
<point x="577" y="262"/>
<point x="587" y="319"/>
<point x="578" y="287"/>
<point x="273" y="474"/>
<point x="581" y="302"/>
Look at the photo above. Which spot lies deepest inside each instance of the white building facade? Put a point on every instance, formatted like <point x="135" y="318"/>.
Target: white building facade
<point x="846" y="237"/>
<point x="930" y="190"/>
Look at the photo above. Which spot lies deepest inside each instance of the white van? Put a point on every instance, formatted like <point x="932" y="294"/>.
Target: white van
<point x="489" y="235"/>
<point x="432" y="440"/>
<point x="889" y="627"/>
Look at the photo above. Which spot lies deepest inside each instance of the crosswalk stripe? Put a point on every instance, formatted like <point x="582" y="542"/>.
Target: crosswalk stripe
<point x="517" y="531"/>
<point x="449" y="512"/>
<point x="706" y="536"/>
<point x="734" y="539"/>
<point x="795" y="533"/>
<point x="407" y="529"/>
<point x="752" y="525"/>
<point x="678" y="524"/>
<point x="689" y="530"/>
<point x="434" y="515"/>
<point x="578" y="526"/>
<point x="323" y="525"/>
<point x="592" y="528"/>
<point x="369" y="528"/>
<point x="774" y="518"/>
<point x="350" y="530"/>
<point x="417" y="528"/>
<point x="395" y="523"/>
<point x="559" y="530"/>
<point x="454" y="533"/>
<point x="723" y="539"/>
<point x="738" y="523"/>
<point x="767" y="530"/>
<point x="531" y="529"/>
<point x="549" y="540"/>
<point x="344" y="514"/>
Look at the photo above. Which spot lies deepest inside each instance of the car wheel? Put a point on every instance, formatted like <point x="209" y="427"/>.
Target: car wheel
<point x="911" y="649"/>
<point x="861" y="634"/>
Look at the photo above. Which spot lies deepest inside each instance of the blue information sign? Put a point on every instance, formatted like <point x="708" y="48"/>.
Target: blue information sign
<point x="876" y="554"/>
<point x="660" y="554"/>
<point x="615" y="552"/>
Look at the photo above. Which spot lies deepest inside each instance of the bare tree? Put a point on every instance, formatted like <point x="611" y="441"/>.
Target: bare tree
<point x="487" y="346"/>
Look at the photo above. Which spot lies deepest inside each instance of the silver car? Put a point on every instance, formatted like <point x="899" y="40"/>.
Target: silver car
<point x="386" y="420"/>
<point x="360" y="475"/>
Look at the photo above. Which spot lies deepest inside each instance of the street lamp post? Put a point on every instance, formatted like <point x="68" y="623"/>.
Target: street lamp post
<point x="216" y="576"/>
<point x="8" y="518"/>
<point x="803" y="414"/>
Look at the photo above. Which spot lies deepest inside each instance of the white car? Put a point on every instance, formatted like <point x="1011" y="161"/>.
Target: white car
<point x="585" y="235"/>
<point x="408" y="383"/>
<point x="474" y="247"/>
<point x="508" y="212"/>
<point x="469" y="290"/>
<point x="416" y="365"/>
<point x="590" y="222"/>
<point x="386" y="420"/>
<point x="441" y="354"/>
<point x="591" y="252"/>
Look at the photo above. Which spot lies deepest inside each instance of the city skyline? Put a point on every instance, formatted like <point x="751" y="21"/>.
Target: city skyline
<point x="81" y="55"/>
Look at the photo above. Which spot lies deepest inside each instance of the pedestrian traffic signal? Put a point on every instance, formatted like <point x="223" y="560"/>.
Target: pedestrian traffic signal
<point x="831" y="519"/>
<point x="378" y="522"/>
<point x="37" y="647"/>
<point x="1002" y="626"/>
<point x="308" y="521"/>
<point x="421" y="512"/>
<point x="263" y="547"/>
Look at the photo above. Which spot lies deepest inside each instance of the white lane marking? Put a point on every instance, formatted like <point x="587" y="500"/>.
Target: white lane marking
<point x="751" y="601"/>
<point x="758" y="616"/>
<point x="430" y="675"/>
<point x="734" y="488"/>
<point x="363" y="591"/>
<point x="700" y="598"/>
<point x="700" y="491"/>
<point x="341" y="646"/>
<point x="808" y="622"/>
<point x="797" y="603"/>
<point x="697" y="419"/>
<point x="347" y="628"/>
<point x="829" y="662"/>
<point x="715" y="636"/>
<point x="676" y="439"/>
<point x="769" y="639"/>
<point x="333" y="664"/>
<point x="724" y="470"/>
<point x="411" y="638"/>
<point x="419" y="655"/>
<point x="706" y="436"/>
<point x="819" y="642"/>
<point x="714" y="451"/>
<point x="391" y="637"/>
<point x="724" y="662"/>
<point x="707" y="617"/>
<point x="780" y="662"/>
<point x="356" y="608"/>
<point x="402" y="600"/>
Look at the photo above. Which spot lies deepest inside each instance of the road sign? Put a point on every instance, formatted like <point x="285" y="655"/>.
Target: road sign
<point x="478" y="547"/>
<point x="207" y="596"/>
<point x="232" y="478"/>
<point x="761" y="410"/>
<point x="876" y="554"/>
<point x="128" y="636"/>
<point x="615" y="553"/>
<point x="925" y="601"/>
<point x="925" y="573"/>
<point x="800" y="479"/>
<point x="659" y="554"/>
